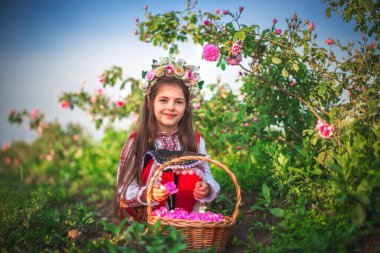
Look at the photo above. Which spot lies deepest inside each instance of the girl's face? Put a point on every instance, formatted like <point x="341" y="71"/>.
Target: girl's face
<point x="169" y="106"/>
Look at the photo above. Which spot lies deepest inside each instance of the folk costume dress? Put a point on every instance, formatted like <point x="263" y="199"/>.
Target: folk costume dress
<point x="184" y="175"/>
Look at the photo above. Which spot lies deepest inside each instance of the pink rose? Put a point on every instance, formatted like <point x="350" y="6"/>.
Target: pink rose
<point x="150" y="75"/>
<point x="75" y="137"/>
<point x="169" y="69"/>
<point x="240" y="73"/>
<point x="65" y="104"/>
<point x="189" y="75"/>
<point x="211" y="52"/>
<point x="292" y="83"/>
<point x="278" y="31"/>
<point x="234" y="61"/>
<point x="329" y="41"/>
<point x="241" y="8"/>
<point x="120" y="103"/>
<point x="206" y="22"/>
<point x="93" y="99"/>
<point x="197" y="106"/>
<point x="235" y="49"/>
<point x="145" y="7"/>
<point x="34" y="113"/>
<point x="238" y="147"/>
<point x="171" y="188"/>
<point x="225" y="12"/>
<point x="325" y="130"/>
<point x="311" y="27"/>
<point x="102" y="78"/>
<point x="217" y="11"/>
<point x="255" y="119"/>
<point x="274" y="20"/>
<point x="246" y="124"/>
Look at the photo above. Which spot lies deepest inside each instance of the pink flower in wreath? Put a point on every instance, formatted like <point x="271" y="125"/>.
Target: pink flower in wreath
<point x="235" y="49"/>
<point x="211" y="52"/>
<point x="150" y="75"/>
<point x="274" y="20"/>
<point x="171" y="188"/>
<point x="234" y="61"/>
<point x="189" y="75"/>
<point x="169" y="70"/>
<point x="278" y="31"/>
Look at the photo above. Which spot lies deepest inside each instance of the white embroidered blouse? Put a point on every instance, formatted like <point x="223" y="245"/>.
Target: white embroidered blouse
<point x="168" y="141"/>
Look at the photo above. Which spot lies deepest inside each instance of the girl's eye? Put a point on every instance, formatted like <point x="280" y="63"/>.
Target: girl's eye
<point x="180" y="102"/>
<point x="162" y="100"/>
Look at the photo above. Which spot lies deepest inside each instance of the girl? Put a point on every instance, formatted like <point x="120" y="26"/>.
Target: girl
<point x="164" y="131"/>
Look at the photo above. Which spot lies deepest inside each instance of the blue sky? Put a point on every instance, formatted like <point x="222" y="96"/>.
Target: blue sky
<point x="48" y="47"/>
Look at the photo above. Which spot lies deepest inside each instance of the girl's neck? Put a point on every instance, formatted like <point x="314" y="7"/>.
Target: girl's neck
<point x="168" y="132"/>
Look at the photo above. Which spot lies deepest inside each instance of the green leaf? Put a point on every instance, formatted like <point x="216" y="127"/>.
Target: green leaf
<point x="328" y="12"/>
<point x="358" y="215"/>
<point x="240" y="35"/>
<point x="368" y="4"/>
<point x="276" y="60"/>
<point x="285" y="73"/>
<point x="362" y="197"/>
<point x="316" y="171"/>
<point x="278" y="212"/>
<point x="143" y="74"/>
<point x="200" y="84"/>
<point x="282" y="160"/>
<point x="266" y="192"/>
<point x="223" y="66"/>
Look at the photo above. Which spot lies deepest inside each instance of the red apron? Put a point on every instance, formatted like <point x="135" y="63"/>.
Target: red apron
<point x="184" y="198"/>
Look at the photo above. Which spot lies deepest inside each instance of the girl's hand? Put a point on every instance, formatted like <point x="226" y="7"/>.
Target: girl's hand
<point x="158" y="194"/>
<point x="202" y="190"/>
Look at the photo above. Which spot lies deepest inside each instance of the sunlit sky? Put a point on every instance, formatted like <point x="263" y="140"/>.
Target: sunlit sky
<point x="48" y="47"/>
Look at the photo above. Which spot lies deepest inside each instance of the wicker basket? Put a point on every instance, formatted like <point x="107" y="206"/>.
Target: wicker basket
<point x="199" y="234"/>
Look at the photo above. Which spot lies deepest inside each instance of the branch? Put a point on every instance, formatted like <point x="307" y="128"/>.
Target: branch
<point x="287" y="92"/>
<point x="312" y="64"/>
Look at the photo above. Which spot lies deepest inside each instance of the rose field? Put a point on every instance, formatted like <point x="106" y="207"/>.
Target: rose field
<point x="301" y="135"/>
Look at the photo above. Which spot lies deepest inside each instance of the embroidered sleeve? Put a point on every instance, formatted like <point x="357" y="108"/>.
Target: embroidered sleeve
<point x="208" y="178"/>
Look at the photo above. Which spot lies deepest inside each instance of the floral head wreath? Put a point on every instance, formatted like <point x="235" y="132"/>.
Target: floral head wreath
<point x="167" y="66"/>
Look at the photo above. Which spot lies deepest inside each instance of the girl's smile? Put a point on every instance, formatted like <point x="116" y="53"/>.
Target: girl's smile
<point x="169" y="107"/>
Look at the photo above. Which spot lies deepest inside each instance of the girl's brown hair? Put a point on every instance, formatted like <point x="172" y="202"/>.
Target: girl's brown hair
<point x="146" y="134"/>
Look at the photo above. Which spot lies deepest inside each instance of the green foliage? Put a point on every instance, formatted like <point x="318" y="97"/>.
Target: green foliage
<point x="139" y="238"/>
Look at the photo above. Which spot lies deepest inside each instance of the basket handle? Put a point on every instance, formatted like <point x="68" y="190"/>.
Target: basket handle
<point x="186" y="158"/>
